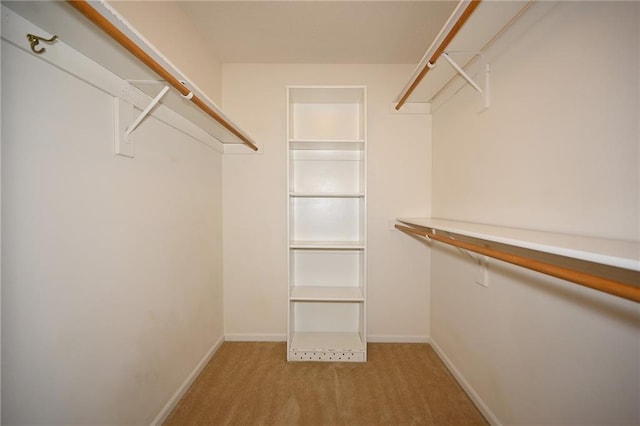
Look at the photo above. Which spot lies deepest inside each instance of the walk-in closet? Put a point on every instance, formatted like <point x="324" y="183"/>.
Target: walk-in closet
<point x="320" y="212"/>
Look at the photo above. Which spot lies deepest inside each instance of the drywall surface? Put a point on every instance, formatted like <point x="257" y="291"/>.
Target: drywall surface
<point x="557" y="150"/>
<point x="168" y="28"/>
<point x="112" y="275"/>
<point x="255" y="200"/>
<point x="560" y="132"/>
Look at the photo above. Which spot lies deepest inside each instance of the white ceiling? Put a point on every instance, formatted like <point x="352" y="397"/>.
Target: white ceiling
<point x="335" y="32"/>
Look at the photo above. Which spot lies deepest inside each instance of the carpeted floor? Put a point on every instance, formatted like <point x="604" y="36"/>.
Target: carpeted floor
<point x="252" y="384"/>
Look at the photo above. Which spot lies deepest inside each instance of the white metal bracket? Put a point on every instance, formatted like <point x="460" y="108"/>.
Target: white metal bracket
<point x="123" y="113"/>
<point x="483" y="87"/>
<point x="146" y="111"/>
<point x="482" y="273"/>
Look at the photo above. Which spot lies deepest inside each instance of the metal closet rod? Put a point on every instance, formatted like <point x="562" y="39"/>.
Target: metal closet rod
<point x="103" y="23"/>
<point x="616" y="288"/>
<point x="426" y="66"/>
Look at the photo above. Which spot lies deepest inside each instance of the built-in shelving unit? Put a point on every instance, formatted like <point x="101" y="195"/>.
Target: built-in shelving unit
<point x="327" y="223"/>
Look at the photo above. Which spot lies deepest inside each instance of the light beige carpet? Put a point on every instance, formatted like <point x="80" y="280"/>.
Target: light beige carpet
<point x="252" y="384"/>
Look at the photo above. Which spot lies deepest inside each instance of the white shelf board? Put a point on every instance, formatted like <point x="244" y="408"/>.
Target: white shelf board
<point x="338" y="342"/>
<point x="326" y="144"/>
<point x="617" y="253"/>
<point x="326" y="294"/>
<point x="328" y="245"/>
<point x="327" y="194"/>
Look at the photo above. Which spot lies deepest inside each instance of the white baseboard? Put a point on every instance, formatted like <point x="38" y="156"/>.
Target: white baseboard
<point x="376" y="338"/>
<point x="170" y="405"/>
<point x="392" y="338"/>
<point x="484" y="409"/>
<point x="255" y="337"/>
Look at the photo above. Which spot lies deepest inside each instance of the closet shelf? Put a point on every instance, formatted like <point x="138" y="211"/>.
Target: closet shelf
<point x="471" y="29"/>
<point x="622" y="258"/>
<point x="320" y="144"/>
<point x="326" y="194"/>
<point x="108" y="20"/>
<point x="326" y="294"/>
<point x="327" y="245"/>
<point x="99" y="33"/>
<point x="618" y="253"/>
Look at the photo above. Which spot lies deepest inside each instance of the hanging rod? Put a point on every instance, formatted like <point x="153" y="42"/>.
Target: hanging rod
<point x="85" y="8"/>
<point x="606" y="285"/>
<point x="457" y="19"/>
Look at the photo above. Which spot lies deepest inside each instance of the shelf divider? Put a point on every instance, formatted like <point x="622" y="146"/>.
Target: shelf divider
<point x="326" y="294"/>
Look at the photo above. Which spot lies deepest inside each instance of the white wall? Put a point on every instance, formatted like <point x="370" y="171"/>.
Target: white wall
<point x="562" y="127"/>
<point x="255" y="200"/>
<point x="557" y="150"/>
<point x="112" y="274"/>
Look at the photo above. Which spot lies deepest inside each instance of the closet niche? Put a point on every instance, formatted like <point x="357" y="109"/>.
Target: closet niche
<point x="326" y="154"/>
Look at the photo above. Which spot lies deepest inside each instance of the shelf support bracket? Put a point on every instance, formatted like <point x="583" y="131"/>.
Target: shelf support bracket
<point x="484" y="92"/>
<point x="482" y="274"/>
<point x="146" y="111"/>
<point x="122" y="115"/>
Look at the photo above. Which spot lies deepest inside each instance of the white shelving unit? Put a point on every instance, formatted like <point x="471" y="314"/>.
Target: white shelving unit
<point x="326" y="176"/>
